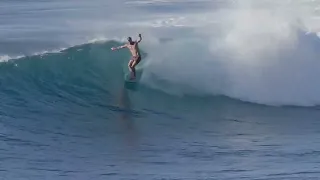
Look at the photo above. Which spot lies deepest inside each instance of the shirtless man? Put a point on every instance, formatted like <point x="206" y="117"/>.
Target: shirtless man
<point x="136" y="56"/>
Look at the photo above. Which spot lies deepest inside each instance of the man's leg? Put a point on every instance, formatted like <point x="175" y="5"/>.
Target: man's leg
<point x="133" y="65"/>
<point x="129" y="66"/>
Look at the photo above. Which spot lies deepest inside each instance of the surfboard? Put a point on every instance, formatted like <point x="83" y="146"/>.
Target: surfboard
<point x="132" y="84"/>
<point x="127" y="76"/>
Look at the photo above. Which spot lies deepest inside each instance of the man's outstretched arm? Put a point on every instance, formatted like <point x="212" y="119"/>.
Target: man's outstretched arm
<point x="120" y="47"/>
<point x="140" y="38"/>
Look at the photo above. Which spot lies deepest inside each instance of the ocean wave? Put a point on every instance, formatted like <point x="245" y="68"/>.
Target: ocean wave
<point x="92" y="66"/>
<point x="258" y="52"/>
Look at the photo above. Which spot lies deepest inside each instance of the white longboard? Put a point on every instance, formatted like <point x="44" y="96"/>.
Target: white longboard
<point x="127" y="78"/>
<point x="127" y="75"/>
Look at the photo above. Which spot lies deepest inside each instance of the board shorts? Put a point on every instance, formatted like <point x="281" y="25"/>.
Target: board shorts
<point x="136" y="58"/>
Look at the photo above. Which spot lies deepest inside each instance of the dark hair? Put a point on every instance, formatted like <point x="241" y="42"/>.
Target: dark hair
<point x="129" y="39"/>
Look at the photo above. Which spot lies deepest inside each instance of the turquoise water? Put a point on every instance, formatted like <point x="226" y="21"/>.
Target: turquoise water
<point x="67" y="113"/>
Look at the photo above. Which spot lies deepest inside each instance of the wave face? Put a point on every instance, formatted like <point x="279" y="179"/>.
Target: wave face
<point x="84" y="75"/>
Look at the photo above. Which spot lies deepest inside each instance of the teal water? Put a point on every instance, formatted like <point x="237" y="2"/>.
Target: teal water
<point x="69" y="114"/>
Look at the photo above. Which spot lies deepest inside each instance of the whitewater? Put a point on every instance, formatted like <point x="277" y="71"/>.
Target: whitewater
<point x="229" y="90"/>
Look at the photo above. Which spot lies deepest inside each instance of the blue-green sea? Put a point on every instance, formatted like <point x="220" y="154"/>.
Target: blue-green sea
<point x="229" y="90"/>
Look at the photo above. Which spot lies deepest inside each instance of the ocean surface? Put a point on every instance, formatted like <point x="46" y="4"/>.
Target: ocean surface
<point x="229" y="90"/>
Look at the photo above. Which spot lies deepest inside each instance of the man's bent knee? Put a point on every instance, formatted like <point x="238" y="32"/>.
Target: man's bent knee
<point x="130" y="63"/>
<point x="136" y="62"/>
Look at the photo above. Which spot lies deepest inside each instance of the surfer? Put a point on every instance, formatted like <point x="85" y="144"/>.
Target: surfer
<point x="135" y="52"/>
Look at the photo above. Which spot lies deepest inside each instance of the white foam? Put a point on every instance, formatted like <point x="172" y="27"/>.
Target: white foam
<point x="258" y="52"/>
<point x="6" y="58"/>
